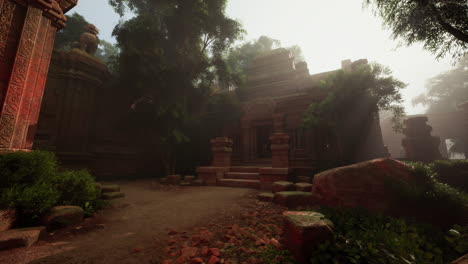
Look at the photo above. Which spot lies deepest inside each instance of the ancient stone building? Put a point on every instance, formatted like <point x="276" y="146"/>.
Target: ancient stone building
<point x="277" y="93"/>
<point x="418" y="143"/>
<point x="80" y="115"/>
<point x="27" y="34"/>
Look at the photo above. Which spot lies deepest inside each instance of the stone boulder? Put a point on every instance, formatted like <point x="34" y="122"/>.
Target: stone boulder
<point x="462" y="260"/>
<point x="282" y="186"/>
<point x="7" y="219"/>
<point x="63" y="216"/>
<point x="361" y="184"/>
<point x="294" y="200"/>
<point x="22" y="237"/>
<point x="303" y="231"/>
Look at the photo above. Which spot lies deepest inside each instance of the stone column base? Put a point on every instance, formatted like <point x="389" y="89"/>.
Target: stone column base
<point x="270" y="175"/>
<point x="210" y="175"/>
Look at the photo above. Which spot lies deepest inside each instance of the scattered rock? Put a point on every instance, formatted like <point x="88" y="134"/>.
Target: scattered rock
<point x="110" y="188"/>
<point x="267" y="197"/>
<point x="196" y="261"/>
<point x="112" y="195"/>
<point x="63" y="216"/>
<point x="215" y="252"/>
<point x="213" y="260"/>
<point x="303" y="187"/>
<point x="282" y="186"/>
<point x="305" y="230"/>
<point x="7" y="219"/>
<point x="189" y="252"/>
<point x="361" y="184"/>
<point x="22" y="237"/>
<point x="293" y="200"/>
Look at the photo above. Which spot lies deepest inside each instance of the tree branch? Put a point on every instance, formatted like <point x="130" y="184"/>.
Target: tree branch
<point x="458" y="34"/>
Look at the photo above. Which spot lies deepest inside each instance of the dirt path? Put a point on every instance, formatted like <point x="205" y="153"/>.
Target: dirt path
<point x="134" y="230"/>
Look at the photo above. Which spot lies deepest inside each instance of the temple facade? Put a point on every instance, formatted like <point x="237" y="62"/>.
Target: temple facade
<point x="277" y="94"/>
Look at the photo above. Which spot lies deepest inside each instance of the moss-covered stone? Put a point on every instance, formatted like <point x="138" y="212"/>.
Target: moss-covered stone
<point x="22" y="237"/>
<point x="112" y="195"/>
<point x="267" y="197"/>
<point x="63" y="216"/>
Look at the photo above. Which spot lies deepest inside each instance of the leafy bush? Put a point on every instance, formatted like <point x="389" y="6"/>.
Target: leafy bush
<point x="362" y="237"/>
<point x="31" y="183"/>
<point x="452" y="172"/>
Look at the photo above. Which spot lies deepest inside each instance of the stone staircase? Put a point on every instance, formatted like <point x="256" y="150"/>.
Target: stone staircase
<point x="242" y="176"/>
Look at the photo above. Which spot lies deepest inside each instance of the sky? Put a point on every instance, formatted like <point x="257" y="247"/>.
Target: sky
<point x="327" y="31"/>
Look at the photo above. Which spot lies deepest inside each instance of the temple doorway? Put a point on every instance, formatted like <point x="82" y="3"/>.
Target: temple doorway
<point x="263" y="142"/>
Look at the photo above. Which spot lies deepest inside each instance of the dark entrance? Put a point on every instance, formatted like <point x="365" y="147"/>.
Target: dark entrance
<point x="263" y="142"/>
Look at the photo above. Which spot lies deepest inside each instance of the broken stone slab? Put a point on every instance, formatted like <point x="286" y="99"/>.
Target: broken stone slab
<point x="294" y="200"/>
<point x="110" y="188"/>
<point x="303" y="187"/>
<point x="282" y="186"/>
<point x="303" y="231"/>
<point x="21" y="237"/>
<point x="112" y="195"/>
<point x="62" y="216"/>
<point x="174" y="179"/>
<point x="304" y="179"/>
<point x="189" y="178"/>
<point x="266" y="197"/>
<point x="7" y="219"/>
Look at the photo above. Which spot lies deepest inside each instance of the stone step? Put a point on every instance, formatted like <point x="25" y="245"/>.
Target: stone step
<point x="22" y="237"/>
<point x="112" y="195"/>
<point x="244" y="169"/>
<point x="243" y="175"/>
<point x="255" y="184"/>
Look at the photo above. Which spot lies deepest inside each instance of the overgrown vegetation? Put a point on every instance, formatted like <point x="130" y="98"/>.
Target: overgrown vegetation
<point x="361" y="237"/>
<point x="453" y="173"/>
<point x="32" y="184"/>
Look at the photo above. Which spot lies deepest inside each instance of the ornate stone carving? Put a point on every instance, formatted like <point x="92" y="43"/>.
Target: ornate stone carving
<point x="88" y="40"/>
<point x="6" y="17"/>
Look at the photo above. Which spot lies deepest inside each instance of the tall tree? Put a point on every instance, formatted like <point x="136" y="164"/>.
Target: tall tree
<point x="354" y="97"/>
<point x="171" y="57"/>
<point x="441" y="25"/>
<point x="447" y="90"/>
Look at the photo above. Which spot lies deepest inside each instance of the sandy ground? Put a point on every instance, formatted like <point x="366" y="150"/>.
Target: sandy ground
<point x="134" y="229"/>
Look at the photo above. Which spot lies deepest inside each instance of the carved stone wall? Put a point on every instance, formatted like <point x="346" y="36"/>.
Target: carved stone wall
<point x="27" y="34"/>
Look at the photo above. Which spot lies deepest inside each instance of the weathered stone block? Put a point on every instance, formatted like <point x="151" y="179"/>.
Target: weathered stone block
<point x="283" y="186"/>
<point x="305" y="230"/>
<point x="266" y="197"/>
<point x="22" y="237"/>
<point x="270" y="175"/>
<point x="211" y="175"/>
<point x="303" y="187"/>
<point x="110" y="188"/>
<point x="63" y="216"/>
<point x="7" y="219"/>
<point x="112" y="195"/>
<point x="294" y="200"/>
<point x="362" y="184"/>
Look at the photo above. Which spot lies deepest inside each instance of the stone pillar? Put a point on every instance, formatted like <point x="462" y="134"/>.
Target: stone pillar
<point x="221" y="148"/>
<point x="245" y="136"/>
<point x="278" y="123"/>
<point x="279" y="150"/>
<point x="418" y="143"/>
<point x="27" y="34"/>
<point x="280" y="170"/>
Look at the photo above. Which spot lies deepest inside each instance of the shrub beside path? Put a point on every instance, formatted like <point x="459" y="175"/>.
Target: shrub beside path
<point x="135" y="229"/>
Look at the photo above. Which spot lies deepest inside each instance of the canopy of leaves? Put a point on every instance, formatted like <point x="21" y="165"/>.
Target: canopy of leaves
<point x="447" y="90"/>
<point x="241" y="57"/>
<point x="370" y="84"/>
<point x="441" y="25"/>
<point x="171" y="59"/>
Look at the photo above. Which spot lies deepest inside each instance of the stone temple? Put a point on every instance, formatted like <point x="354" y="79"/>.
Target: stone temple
<point x="269" y="143"/>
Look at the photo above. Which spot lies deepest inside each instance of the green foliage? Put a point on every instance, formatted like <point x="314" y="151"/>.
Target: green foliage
<point x="362" y="237"/>
<point x="272" y="255"/>
<point x="440" y="25"/>
<point x="171" y="63"/>
<point x="457" y="238"/>
<point x="452" y="172"/>
<point x="447" y="90"/>
<point x="32" y="184"/>
<point x="446" y="204"/>
<point x="354" y="97"/>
